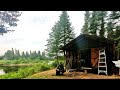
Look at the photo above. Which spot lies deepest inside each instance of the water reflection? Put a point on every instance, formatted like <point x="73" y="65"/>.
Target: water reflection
<point x="7" y="69"/>
<point x="2" y="72"/>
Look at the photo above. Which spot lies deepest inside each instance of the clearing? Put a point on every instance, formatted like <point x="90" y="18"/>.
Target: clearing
<point x="50" y="74"/>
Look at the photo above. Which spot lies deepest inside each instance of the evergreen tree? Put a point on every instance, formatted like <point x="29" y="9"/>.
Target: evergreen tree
<point x="97" y="23"/>
<point x="66" y="30"/>
<point x="61" y="34"/>
<point x="102" y="22"/>
<point x="27" y="55"/>
<point x="18" y="54"/>
<point x="23" y="54"/>
<point x="9" y="55"/>
<point x="8" y="18"/>
<point x="110" y="25"/>
<point x="49" y="45"/>
<point x="86" y="25"/>
<point x="13" y="54"/>
<point x="39" y="54"/>
<point x="94" y="23"/>
<point x="53" y="45"/>
<point x="43" y="55"/>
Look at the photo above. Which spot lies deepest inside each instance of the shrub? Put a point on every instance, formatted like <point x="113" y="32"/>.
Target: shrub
<point x="54" y="64"/>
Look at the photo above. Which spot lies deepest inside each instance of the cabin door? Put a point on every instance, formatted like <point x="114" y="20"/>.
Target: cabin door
<point x="94" y="57"/>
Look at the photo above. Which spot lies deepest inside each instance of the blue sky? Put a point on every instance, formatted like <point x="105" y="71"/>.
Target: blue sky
<point x="33" y="29"/>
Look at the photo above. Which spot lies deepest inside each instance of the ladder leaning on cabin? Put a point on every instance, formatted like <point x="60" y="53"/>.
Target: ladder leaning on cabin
<point x="102" y="65"/>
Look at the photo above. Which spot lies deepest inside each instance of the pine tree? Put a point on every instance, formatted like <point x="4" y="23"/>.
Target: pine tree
<point x="13" y="54"/>
<point x="8" y="18"/>
<point x="61" y="34"/>
<point x="86" y="25"/>
<point x="39" y="54"/>
<point x="27" y="55"/>
<point x="102" y="22"/>
<point x="9" y="55"/>
<point x="43" y="55"/>
<point x="50" y="44"/>
<point x="110" y="26"/>
<point x="67" y="33"/>
<point x="94" y="23"/>
<point x="53" y="45"/>
<point x="18" y="52"/>
<point x="98" y="23"/>
<point x="23" y="54"/>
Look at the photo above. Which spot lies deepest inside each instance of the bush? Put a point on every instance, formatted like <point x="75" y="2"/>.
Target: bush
<point x="54" y="64"/>
<point x="43" y="68"/>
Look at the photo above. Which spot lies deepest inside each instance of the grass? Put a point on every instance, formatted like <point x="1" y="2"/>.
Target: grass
<point x="23" y="72"/>
<point x="29" y="70"/>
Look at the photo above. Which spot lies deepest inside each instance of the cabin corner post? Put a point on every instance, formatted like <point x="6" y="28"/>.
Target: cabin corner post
<point x="78" y="59"/>
<point x="115" y="54"/>
<point x="65" y="57"/>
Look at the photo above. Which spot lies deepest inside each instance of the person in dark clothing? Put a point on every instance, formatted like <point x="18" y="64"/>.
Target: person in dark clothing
<point x="82" y="62"/>
<point x="60" y="69"/>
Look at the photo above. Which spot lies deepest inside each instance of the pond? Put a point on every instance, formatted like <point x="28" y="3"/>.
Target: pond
<point x="2" y="72"/>
<point x="7" y="69"/>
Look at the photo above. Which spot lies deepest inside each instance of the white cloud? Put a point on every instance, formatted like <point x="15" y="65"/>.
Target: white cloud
<point x="34" y="27"/>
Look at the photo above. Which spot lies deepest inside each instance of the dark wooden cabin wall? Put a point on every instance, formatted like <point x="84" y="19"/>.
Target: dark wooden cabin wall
<point x="76" y="59"/>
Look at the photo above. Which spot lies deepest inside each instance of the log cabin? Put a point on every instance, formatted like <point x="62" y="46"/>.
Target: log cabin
<point x="86" y="47"/>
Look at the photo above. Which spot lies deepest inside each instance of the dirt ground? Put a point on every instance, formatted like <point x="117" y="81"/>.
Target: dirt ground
<point x="50" y="74"/>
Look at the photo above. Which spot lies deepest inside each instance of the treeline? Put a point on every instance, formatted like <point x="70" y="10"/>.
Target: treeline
<point x="15" y="55"/>
<point x="103" y="24"/>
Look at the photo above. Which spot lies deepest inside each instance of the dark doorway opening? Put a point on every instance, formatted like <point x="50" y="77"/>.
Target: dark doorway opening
<point x="85" y="58"/>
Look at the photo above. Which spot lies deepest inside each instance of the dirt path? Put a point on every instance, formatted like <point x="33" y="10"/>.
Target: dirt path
<point x="50" y="74"/>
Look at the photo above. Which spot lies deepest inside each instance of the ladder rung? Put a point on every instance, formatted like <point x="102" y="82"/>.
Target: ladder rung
<point x="102" y="66"/>
<point x="102" y="62"/>
<point x="102" y="53"/>
<point x="102" y="50"/>
<point x="102" y="57"/>
<point x="103" y="71"/>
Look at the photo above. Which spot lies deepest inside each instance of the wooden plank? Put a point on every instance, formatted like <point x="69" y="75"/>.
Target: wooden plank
<point x="85" y="68"/>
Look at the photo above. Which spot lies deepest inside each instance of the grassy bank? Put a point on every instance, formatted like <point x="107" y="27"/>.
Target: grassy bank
<point x="37" y="66"/>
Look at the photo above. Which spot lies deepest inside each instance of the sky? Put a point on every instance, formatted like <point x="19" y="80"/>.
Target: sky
<point x="33" y="28"/>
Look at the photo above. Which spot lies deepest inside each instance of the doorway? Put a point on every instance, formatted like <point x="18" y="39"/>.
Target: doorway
<point x="85" y="57"/>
